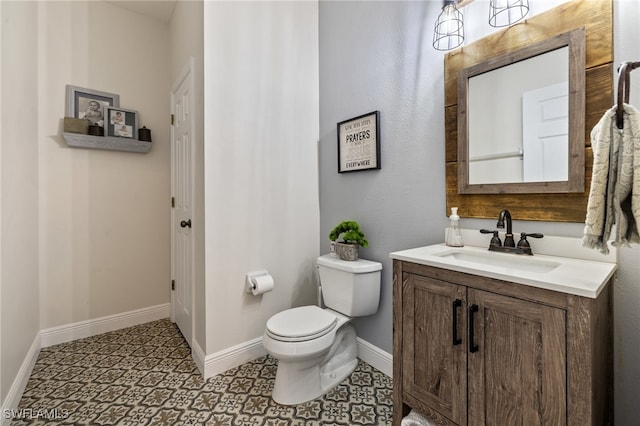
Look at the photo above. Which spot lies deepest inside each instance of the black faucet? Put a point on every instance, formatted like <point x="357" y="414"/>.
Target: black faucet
<point x="508" y="236"/>
<point x="509" y="245"/>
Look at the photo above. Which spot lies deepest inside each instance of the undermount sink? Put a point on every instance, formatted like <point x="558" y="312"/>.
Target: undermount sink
<point x="509" y="261"/>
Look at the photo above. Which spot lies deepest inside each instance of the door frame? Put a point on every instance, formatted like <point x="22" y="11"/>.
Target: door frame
<point x="187" y="72"/>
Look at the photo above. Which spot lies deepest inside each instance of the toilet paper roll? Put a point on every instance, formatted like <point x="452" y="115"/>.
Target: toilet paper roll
<point x="261" y="284"/>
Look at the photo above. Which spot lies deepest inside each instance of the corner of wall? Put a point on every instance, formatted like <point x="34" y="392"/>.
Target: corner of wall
<point x="12" y="400"/>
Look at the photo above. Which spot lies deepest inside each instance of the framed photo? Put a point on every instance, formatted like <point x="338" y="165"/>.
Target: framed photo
<point x="89" y="104"/>
<point x="120" y="122"/>
<point x="359" y="143"/>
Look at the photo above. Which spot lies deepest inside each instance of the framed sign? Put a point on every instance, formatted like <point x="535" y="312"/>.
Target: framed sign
<point x="89" y="104"/>
<point x="121" y="123"/>
<point x="359" y="143"/>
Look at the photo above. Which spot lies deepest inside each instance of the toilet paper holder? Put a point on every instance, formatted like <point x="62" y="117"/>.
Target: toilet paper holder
<point x="249" y="286"/>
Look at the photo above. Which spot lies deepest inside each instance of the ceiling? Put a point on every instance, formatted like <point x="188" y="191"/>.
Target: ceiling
<point x="157" y="9"/>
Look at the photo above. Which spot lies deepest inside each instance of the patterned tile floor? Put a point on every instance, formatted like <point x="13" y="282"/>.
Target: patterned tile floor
<point x="144" y="375"/>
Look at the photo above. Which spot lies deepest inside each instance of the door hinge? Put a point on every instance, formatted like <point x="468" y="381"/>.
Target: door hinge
<point x="173" y="201"/>
<point x="173" y="285"/>
<point x="173" y="119"/>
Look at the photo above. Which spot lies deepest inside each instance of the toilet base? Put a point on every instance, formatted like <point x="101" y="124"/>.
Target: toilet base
<point x="301" y="381"/>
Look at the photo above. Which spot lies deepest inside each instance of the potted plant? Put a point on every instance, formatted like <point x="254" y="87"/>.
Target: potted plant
<point x="351" y="239"/>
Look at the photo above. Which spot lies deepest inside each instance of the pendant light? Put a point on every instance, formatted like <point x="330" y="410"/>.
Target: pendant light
<point x="503" y="13"/>
<point x="448" y="32"/>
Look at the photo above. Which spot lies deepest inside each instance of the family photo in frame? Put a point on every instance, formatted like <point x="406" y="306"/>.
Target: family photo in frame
<point x="121" y="122"/>
<point x="89" y="104"/>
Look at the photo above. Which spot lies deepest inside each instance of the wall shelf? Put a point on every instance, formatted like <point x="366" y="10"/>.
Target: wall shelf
<point x="78" y="140"/>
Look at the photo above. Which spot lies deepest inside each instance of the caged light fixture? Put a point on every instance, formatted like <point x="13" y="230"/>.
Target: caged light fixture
<point x="448" y="32"/>
<point x="503" y="13"/>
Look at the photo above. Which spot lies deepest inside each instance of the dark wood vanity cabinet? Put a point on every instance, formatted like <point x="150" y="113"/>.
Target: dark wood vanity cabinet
<point x="470" y="350"/>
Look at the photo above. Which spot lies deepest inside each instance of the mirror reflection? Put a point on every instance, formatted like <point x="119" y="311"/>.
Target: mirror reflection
<point x="519" y="121"/>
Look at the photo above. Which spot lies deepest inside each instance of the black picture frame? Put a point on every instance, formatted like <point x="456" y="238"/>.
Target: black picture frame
<point x="122" y="123"/>
<point x="80" y="103"/>
<point x="359" y="143"/>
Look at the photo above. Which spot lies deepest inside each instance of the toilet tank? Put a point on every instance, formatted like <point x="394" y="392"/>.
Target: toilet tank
<point x="350" y="287"/>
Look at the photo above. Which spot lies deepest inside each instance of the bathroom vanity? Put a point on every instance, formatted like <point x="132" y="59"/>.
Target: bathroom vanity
<point x="492" y="338"/>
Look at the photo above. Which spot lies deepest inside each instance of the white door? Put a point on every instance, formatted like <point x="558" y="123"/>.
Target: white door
<point x="545" y="134"/>
<point x="182" y="201"/>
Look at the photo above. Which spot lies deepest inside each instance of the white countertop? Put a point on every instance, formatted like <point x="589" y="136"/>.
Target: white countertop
<point x="579" y="277"/>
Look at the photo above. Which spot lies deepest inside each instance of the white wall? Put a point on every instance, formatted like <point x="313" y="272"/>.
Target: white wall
<point x="19" y="316"/>
<point x="261" y="176"/>
<point x="104" y="215"/>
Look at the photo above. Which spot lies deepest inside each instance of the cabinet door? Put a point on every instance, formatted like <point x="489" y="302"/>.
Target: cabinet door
<point x="434" y="366"/>
<point x="517" y="376"/>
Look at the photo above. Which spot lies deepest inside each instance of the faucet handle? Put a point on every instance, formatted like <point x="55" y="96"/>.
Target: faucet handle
<point x="495" y="240"/>
<point x="523" y="243"/>
<point x="535" y="235"/>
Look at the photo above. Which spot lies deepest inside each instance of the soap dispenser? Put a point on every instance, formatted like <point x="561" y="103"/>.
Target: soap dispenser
<point x="453" y="236"/>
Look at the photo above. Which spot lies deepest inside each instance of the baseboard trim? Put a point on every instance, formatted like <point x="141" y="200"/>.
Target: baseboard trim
<point x="198" y="356"/>
<point x="20" y="383"/>
<point x="375" y="357"/>
<point x="80" y="330"/>
<point x="234" y="356"/>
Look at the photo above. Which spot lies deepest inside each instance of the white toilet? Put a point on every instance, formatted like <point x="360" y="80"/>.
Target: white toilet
<point x="316" y="348"/>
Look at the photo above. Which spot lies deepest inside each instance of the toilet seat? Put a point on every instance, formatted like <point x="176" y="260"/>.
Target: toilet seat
<point x="301" y="324"/>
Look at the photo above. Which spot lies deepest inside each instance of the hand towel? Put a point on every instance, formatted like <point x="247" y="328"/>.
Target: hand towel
<point x="614" y="196"/>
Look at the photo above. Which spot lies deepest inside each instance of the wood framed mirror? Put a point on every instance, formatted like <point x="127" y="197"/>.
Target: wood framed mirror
<point x="521" y="119"/>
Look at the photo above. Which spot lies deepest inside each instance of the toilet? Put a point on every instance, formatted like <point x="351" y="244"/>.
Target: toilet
<point x="316" y="348"/>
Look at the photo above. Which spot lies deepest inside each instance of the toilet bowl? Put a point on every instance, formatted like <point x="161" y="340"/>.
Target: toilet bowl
<point x="312" y="362"/>
<point x="316" y="348"/>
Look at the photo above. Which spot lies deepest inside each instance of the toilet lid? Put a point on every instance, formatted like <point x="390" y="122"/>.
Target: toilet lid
<point x="300" y="323"/>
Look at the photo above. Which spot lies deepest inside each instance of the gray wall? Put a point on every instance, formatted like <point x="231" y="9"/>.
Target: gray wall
<point x="626" y="302"/>
<point x="378" y="55"/>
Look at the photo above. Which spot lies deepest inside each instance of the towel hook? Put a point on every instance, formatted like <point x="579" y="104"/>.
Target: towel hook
<point x="623" y="89"/>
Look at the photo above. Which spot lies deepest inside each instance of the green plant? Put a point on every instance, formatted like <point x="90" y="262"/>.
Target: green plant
<point x="350" y="232"/>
